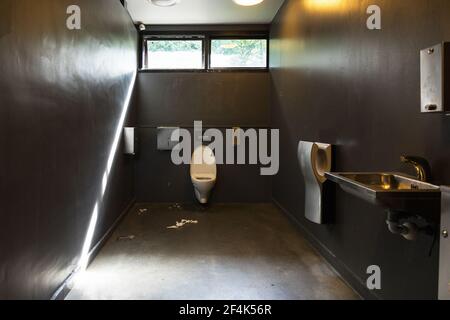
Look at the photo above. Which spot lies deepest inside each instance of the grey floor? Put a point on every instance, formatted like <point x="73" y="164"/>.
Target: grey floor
<point x="235" y="251"/>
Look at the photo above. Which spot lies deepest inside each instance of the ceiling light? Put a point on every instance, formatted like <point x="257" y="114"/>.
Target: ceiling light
<point x="165" y="3"/>
<point x="248" y="3"/>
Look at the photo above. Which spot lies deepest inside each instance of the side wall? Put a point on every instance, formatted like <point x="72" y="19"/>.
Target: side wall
<point x="64" y="98"/>
<point x="335" y="81"/>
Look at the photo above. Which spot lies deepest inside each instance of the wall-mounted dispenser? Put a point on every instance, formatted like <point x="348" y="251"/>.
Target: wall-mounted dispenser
<point x="435" y="78"/>
<point x="315" y="159"/>
<point x="130" y="141"/>
<point x="165" y="142"/>
<point x="444" y="256"/>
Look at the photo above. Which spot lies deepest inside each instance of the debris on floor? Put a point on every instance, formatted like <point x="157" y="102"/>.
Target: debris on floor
<point x="176" y="206"/>
<point x="142" y="211"/>
<point x="182" y="223"/>
<point x="126" y="238"/>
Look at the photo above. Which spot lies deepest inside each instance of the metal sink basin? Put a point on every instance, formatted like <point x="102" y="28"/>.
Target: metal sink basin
<point x="393" y="191"/>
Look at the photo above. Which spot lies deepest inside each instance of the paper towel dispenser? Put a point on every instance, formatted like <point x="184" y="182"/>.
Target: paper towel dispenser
<point x="435" y="78"/>
<point x="130" y="141"/>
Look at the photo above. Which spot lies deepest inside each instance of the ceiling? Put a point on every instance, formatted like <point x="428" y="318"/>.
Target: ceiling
<point x="203" y="12"/>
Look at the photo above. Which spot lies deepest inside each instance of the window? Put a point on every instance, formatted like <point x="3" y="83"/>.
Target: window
<point x="205" y="52"/>
<point x="238" y="53"/>
<point x="174" y="54"/>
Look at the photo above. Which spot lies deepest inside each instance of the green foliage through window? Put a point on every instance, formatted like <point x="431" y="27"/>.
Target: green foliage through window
<point x="245" y="53"/>
<point x="174" y="45"/>
<point x="188" y="53"/>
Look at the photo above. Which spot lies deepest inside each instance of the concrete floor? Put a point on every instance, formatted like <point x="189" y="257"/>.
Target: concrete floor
<point x="236" y="251"/>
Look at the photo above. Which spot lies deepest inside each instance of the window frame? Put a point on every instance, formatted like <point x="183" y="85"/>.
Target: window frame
<point x="206" y="38"/>
<point x="172" y="38"/>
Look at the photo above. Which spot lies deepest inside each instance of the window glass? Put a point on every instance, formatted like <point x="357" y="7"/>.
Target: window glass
<point x="238" y="53"/>
<point x="174" y="54"/>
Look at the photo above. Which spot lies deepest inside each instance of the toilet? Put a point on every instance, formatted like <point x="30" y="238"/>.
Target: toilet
<point x="203" y="173"/>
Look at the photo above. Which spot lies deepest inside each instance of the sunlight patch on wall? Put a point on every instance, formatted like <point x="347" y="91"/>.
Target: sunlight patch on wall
<point x="85" y="254"/>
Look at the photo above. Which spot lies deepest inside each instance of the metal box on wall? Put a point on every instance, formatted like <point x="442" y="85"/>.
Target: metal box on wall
<point x="435" y="78"/>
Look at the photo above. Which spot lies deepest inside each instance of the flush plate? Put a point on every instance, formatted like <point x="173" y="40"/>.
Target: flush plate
<point x="165" y="142"/>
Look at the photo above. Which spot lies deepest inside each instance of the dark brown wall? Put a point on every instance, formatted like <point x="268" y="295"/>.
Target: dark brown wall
<point x="218" y="99"/>
<point x="335" y="81"/>
<point x="222" y="100"/>
<point x="62" y="94"/>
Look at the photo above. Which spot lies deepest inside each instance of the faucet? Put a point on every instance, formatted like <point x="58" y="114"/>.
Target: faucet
<point x="423" y="168"/>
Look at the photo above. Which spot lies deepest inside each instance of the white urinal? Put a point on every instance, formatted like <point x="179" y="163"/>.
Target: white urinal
<point x="315" y="159"/>
<point x="203" y="173"/>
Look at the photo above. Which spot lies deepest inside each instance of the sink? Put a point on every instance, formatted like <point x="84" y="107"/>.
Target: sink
<point x="394" y="191"/>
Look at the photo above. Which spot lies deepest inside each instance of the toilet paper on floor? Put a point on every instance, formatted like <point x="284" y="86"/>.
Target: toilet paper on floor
<point x="182" y="223"/>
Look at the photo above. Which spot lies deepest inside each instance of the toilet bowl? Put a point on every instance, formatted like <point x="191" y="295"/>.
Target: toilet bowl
<point x="203" y="173"/>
